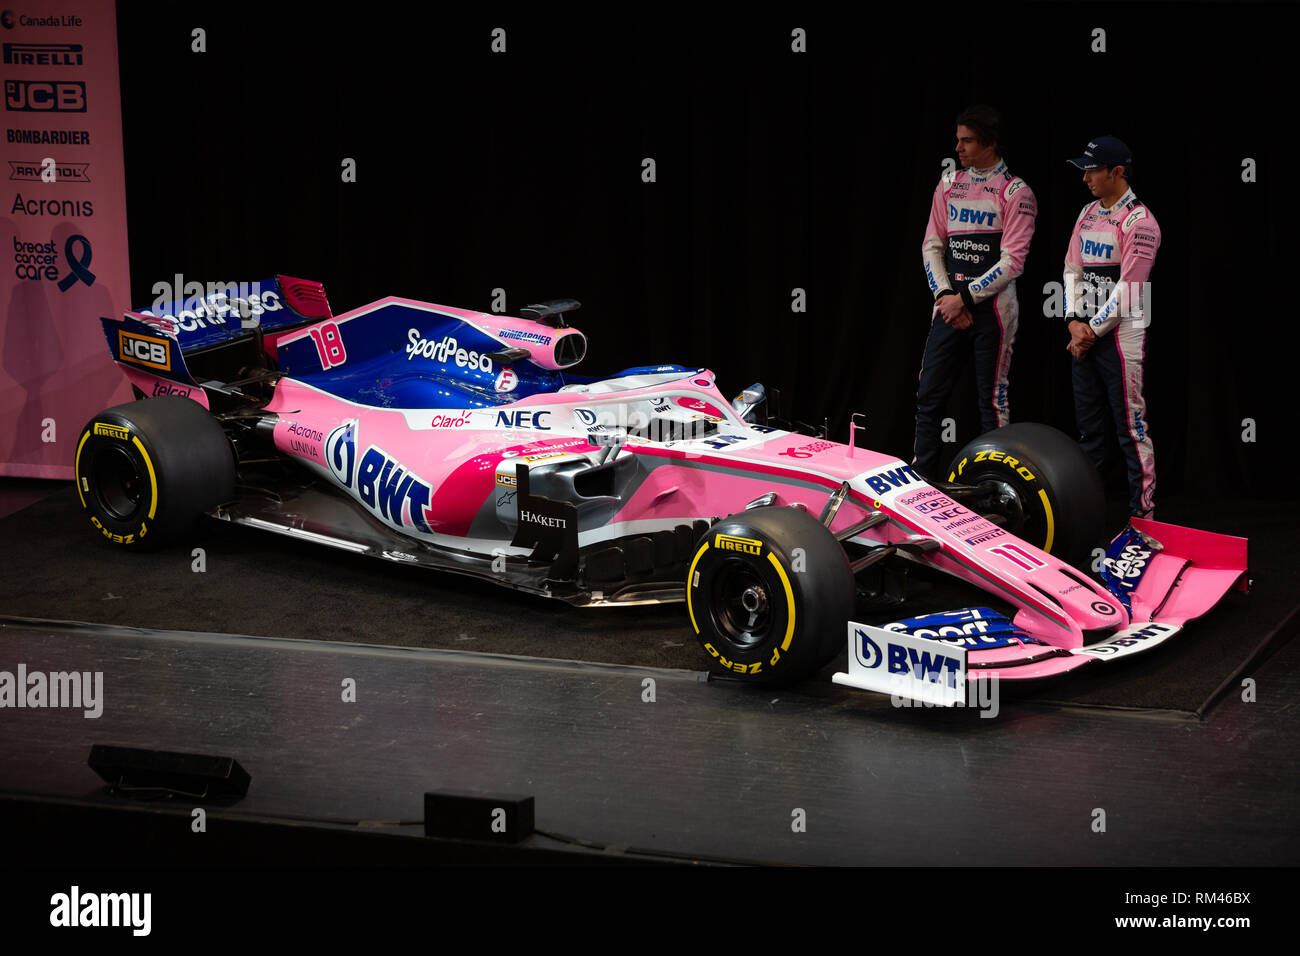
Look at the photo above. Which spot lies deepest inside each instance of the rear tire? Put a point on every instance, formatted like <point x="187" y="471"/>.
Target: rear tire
<point x="1058" y="490"/>
<point x="145" y="470"/>
<point x="769" y="593"/>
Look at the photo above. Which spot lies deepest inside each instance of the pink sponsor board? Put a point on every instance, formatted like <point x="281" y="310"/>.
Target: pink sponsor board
<point x="64" y="223"/>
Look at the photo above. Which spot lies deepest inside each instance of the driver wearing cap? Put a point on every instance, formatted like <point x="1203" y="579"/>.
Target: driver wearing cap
<point x="1107" y="265"/>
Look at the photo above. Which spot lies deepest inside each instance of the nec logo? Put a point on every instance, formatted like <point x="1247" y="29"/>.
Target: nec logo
<point x="974" y="217"/>
<point x="143" y="350"/>
<point x="37" y="96"/>
<point x="523" y="419"/>
<point x="1102" y="250"/>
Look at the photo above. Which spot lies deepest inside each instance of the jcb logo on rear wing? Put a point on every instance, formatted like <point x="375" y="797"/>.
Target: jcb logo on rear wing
<point x="145" y="350"/>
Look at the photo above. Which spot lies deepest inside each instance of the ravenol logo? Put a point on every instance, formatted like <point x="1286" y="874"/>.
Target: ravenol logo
<point x="730" y="542"/>
<point x="112" y="431"/>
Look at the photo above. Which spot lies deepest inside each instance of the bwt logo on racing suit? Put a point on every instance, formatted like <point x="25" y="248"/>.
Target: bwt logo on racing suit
<point x="970" y="216"/>
<point x="382" y="484"/>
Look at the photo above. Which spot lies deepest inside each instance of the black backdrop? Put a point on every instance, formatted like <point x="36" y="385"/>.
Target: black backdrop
<point x="775" y="170"/>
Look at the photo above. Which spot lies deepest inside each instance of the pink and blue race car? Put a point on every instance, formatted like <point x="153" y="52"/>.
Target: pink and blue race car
<point x="462" y="441"/>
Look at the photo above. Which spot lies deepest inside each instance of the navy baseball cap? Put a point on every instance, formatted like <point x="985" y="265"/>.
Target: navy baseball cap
<point x="1103" y="151"/>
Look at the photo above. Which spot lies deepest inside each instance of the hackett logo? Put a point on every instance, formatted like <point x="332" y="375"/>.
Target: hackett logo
<point x="533" y="517"/>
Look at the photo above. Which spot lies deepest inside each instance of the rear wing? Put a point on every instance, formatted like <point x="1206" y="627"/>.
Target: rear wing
<point x="234" y="311"/>
<point x="156" y="339"/>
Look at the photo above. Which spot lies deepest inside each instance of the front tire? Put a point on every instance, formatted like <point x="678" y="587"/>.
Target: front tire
<point x="1060" y="505"/>
<point x="769" y="592"/>
<point x="145" y="470"/>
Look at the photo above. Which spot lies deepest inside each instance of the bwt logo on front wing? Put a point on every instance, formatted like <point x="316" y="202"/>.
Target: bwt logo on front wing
<point x="933" y="667"/>
<point x="145" y="350"/>
<point x="42" y="96"/>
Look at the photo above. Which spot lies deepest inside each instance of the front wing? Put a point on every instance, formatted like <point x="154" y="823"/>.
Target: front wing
<point x="1164" y="574"/>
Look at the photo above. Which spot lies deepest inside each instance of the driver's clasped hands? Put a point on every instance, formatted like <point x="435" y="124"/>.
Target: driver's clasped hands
<point x="1081" y="339"/>
<point x="954" y="312"/>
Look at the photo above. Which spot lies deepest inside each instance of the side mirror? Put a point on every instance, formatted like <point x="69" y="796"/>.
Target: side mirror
<point x="745" y="403"/>
<point x="610" y="441"/>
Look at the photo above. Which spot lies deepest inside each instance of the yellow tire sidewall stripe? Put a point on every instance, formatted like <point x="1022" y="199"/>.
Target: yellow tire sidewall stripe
<point x="690" y="583"/>
<point x="76" y="466"/>
<point x="153" y="477"/>
<point x="789" y="601"/>
<point x="1051" y="523"/>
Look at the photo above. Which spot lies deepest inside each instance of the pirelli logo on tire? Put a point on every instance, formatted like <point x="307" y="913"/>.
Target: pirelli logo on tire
<point x="145" y="350"/>
<point x="731" y="542"/>
<point x="112" y="431"/>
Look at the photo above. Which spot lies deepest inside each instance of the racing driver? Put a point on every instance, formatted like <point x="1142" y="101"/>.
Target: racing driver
<point x="1107" y="264"/>
<point x="981" y="223"/>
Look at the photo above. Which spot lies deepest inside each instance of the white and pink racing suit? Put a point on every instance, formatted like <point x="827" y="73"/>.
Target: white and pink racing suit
<point x="981" y="224"/>
<point x="1106" y="270"/>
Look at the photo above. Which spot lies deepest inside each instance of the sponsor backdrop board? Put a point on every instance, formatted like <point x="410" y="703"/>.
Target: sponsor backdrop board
<point x="64" y="225"/>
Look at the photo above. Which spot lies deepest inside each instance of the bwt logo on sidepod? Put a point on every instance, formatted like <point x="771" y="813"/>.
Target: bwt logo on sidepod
<point x="882" y="482"/>
<point x="933" y="667"/>
<point x="383" y="485"/>
<point x="341" y="453"/>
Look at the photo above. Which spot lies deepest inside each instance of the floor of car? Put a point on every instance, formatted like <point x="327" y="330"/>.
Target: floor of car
<point x="1190" y="751"/>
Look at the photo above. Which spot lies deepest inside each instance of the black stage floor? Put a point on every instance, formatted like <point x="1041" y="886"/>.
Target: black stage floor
<point x="707" y="771"/>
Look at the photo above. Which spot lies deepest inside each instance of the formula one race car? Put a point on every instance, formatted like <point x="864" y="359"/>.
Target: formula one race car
<point x="459" y="440"/>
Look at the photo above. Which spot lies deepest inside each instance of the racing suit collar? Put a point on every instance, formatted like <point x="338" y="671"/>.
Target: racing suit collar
<point x="980" y="175"/>
<point x="1120" y="203"/>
